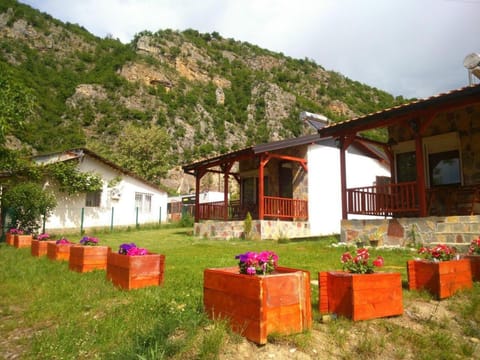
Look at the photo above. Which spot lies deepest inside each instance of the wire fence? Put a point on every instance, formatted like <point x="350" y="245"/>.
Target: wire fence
<point x="74" y="219"/>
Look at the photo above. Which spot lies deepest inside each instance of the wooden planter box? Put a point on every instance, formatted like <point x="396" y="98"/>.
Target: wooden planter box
<point x="39" y="247"/>
<point x="22" y="241"/>
<point x="360" y="296"/>
<point x="58" y="251"/>
<point x="257" y="306"/>
<point x="133" y="272"/>
<point x="475" y="266"/>
<point x="442" y="279"/>
<point x="9" y="238"/>
<point x="88" y="258"/>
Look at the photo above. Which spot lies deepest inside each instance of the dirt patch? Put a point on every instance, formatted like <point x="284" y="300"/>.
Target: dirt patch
<point x="372" y="339"/>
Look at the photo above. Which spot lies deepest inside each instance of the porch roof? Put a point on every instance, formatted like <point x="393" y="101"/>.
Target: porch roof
<point x="442" y="102"/>
<point x="250" y="152"/>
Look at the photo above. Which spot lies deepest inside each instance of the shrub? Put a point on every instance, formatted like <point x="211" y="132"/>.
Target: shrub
<point x="29" y="203"/>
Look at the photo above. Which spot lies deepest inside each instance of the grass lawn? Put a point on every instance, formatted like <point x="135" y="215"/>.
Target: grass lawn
<point x="50" y="312"/>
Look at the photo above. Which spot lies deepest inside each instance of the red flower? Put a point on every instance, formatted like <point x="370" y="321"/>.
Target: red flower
<point x="346" y="257"/>
<point x="378" y="262"/>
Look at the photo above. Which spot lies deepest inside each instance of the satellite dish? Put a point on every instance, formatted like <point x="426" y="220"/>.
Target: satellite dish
<point x="471" y="61"/>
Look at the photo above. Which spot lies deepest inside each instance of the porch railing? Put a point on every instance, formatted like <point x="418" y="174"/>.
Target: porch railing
<point x="383" y="200"/>
<point x="274" y="207"/>
<point x="285" y="208"/>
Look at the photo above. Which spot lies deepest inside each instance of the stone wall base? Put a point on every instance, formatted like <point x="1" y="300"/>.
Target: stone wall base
<point x="261" y="229"/>
<point x="452" y="230"/>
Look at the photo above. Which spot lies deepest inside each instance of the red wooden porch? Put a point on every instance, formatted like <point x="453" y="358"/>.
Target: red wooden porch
<point x="433" y="146"/>
<point x="274" y="208"/>
<point x="403" y="200"/>
<point x="270" y="178"/>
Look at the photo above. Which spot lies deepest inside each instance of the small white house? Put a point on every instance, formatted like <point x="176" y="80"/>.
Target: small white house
<point x="291" y="188"/>
<point x="125" y="199"/>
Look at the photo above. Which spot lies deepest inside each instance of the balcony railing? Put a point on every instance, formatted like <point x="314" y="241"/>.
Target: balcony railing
<point x="274" y="207"/>
<point x="383" y="200"/>
<point x="285" y="208"/>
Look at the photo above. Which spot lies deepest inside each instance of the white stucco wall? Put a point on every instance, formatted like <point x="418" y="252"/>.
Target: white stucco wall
<point x="68" y="213"/>
<point x="324" y="189"/>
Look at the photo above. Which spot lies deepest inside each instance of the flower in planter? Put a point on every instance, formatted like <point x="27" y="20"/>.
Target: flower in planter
<point x="474" y="248"/>
<point x="15" y="231"/>
<point x="89" y="241"/>
<point x="131" y="249"/>
<point x="63" y="241"/>
<point x="252" y="263"/>
<point x="360" y="263"/>
<point x="43" y="237"/>
<point x="439" y="252"/>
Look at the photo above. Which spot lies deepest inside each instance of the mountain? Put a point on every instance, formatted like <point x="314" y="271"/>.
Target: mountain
<point x="201" y="94"/>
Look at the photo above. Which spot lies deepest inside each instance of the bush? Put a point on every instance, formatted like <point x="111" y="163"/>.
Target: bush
<point x="29" y="203"/>
<point x="187" y="220"/>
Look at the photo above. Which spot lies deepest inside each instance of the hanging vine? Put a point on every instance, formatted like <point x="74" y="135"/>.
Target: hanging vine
<point x="73" y="181"/>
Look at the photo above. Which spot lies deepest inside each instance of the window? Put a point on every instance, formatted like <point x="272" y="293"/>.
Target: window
<point x="249" y="189"/>
<point x="442" y="160"/>
<point x="443" y="156"/>
<point x="444" y="168"/>
<point x="92" y="199"/>
<point x="143" y="202"/>
<point x="406" y="167"/>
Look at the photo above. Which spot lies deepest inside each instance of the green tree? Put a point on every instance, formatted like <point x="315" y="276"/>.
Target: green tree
<point x="144" y="151"/>
<point x="29" y="203"/>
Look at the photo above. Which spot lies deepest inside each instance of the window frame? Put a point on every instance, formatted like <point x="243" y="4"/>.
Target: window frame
<point x="436" y="144"/>
<point x="144" y="206"/>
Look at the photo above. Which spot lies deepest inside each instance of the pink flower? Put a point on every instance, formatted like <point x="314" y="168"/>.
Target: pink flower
<point x="252" y="263"/>
<point x="136" y="251"/>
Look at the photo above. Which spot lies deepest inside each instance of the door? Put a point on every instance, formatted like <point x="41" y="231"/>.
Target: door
<point x="285" y="187"/>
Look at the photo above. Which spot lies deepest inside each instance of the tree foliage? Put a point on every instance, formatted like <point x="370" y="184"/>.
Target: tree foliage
<point x="16" y="103"/>
<point x="144" y="150"/>
<point x="29" y="203"/>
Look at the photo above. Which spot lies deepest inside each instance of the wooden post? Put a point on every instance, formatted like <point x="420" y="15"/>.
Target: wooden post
<point x="422" y="204"/>
<point x="261" y="190"/>
<point x="226" y="172"/>
<point x="198" y="176"/>
<point x="343" y="178"/>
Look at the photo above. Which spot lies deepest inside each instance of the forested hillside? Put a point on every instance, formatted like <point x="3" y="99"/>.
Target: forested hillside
<point x="165" y="99"/>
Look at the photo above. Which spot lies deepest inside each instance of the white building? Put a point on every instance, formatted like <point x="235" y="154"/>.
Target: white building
<point x="125" y="199"/>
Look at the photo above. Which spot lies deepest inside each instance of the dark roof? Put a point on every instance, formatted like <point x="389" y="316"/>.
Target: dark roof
<point x="251" y="151"/>
<point x="78" y="153"/>
<point x="449" y="100"/>
<point x="285" y="144"/>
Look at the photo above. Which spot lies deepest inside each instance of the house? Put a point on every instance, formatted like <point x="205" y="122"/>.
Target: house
<point x="434" y="150"/>
<point x="125" y="199"/>
<point x="291" y="188"/>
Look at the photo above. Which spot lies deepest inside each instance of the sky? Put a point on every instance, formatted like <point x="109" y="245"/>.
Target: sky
<point x="413" y="48"/>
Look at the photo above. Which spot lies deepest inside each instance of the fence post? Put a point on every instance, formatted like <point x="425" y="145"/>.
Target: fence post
<point x="160" y="216"/>
<point x="81" y="220"/>
<point x="43" y="226"/>
<point x="111" y="220"/>
<point x="136" y="217"/>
